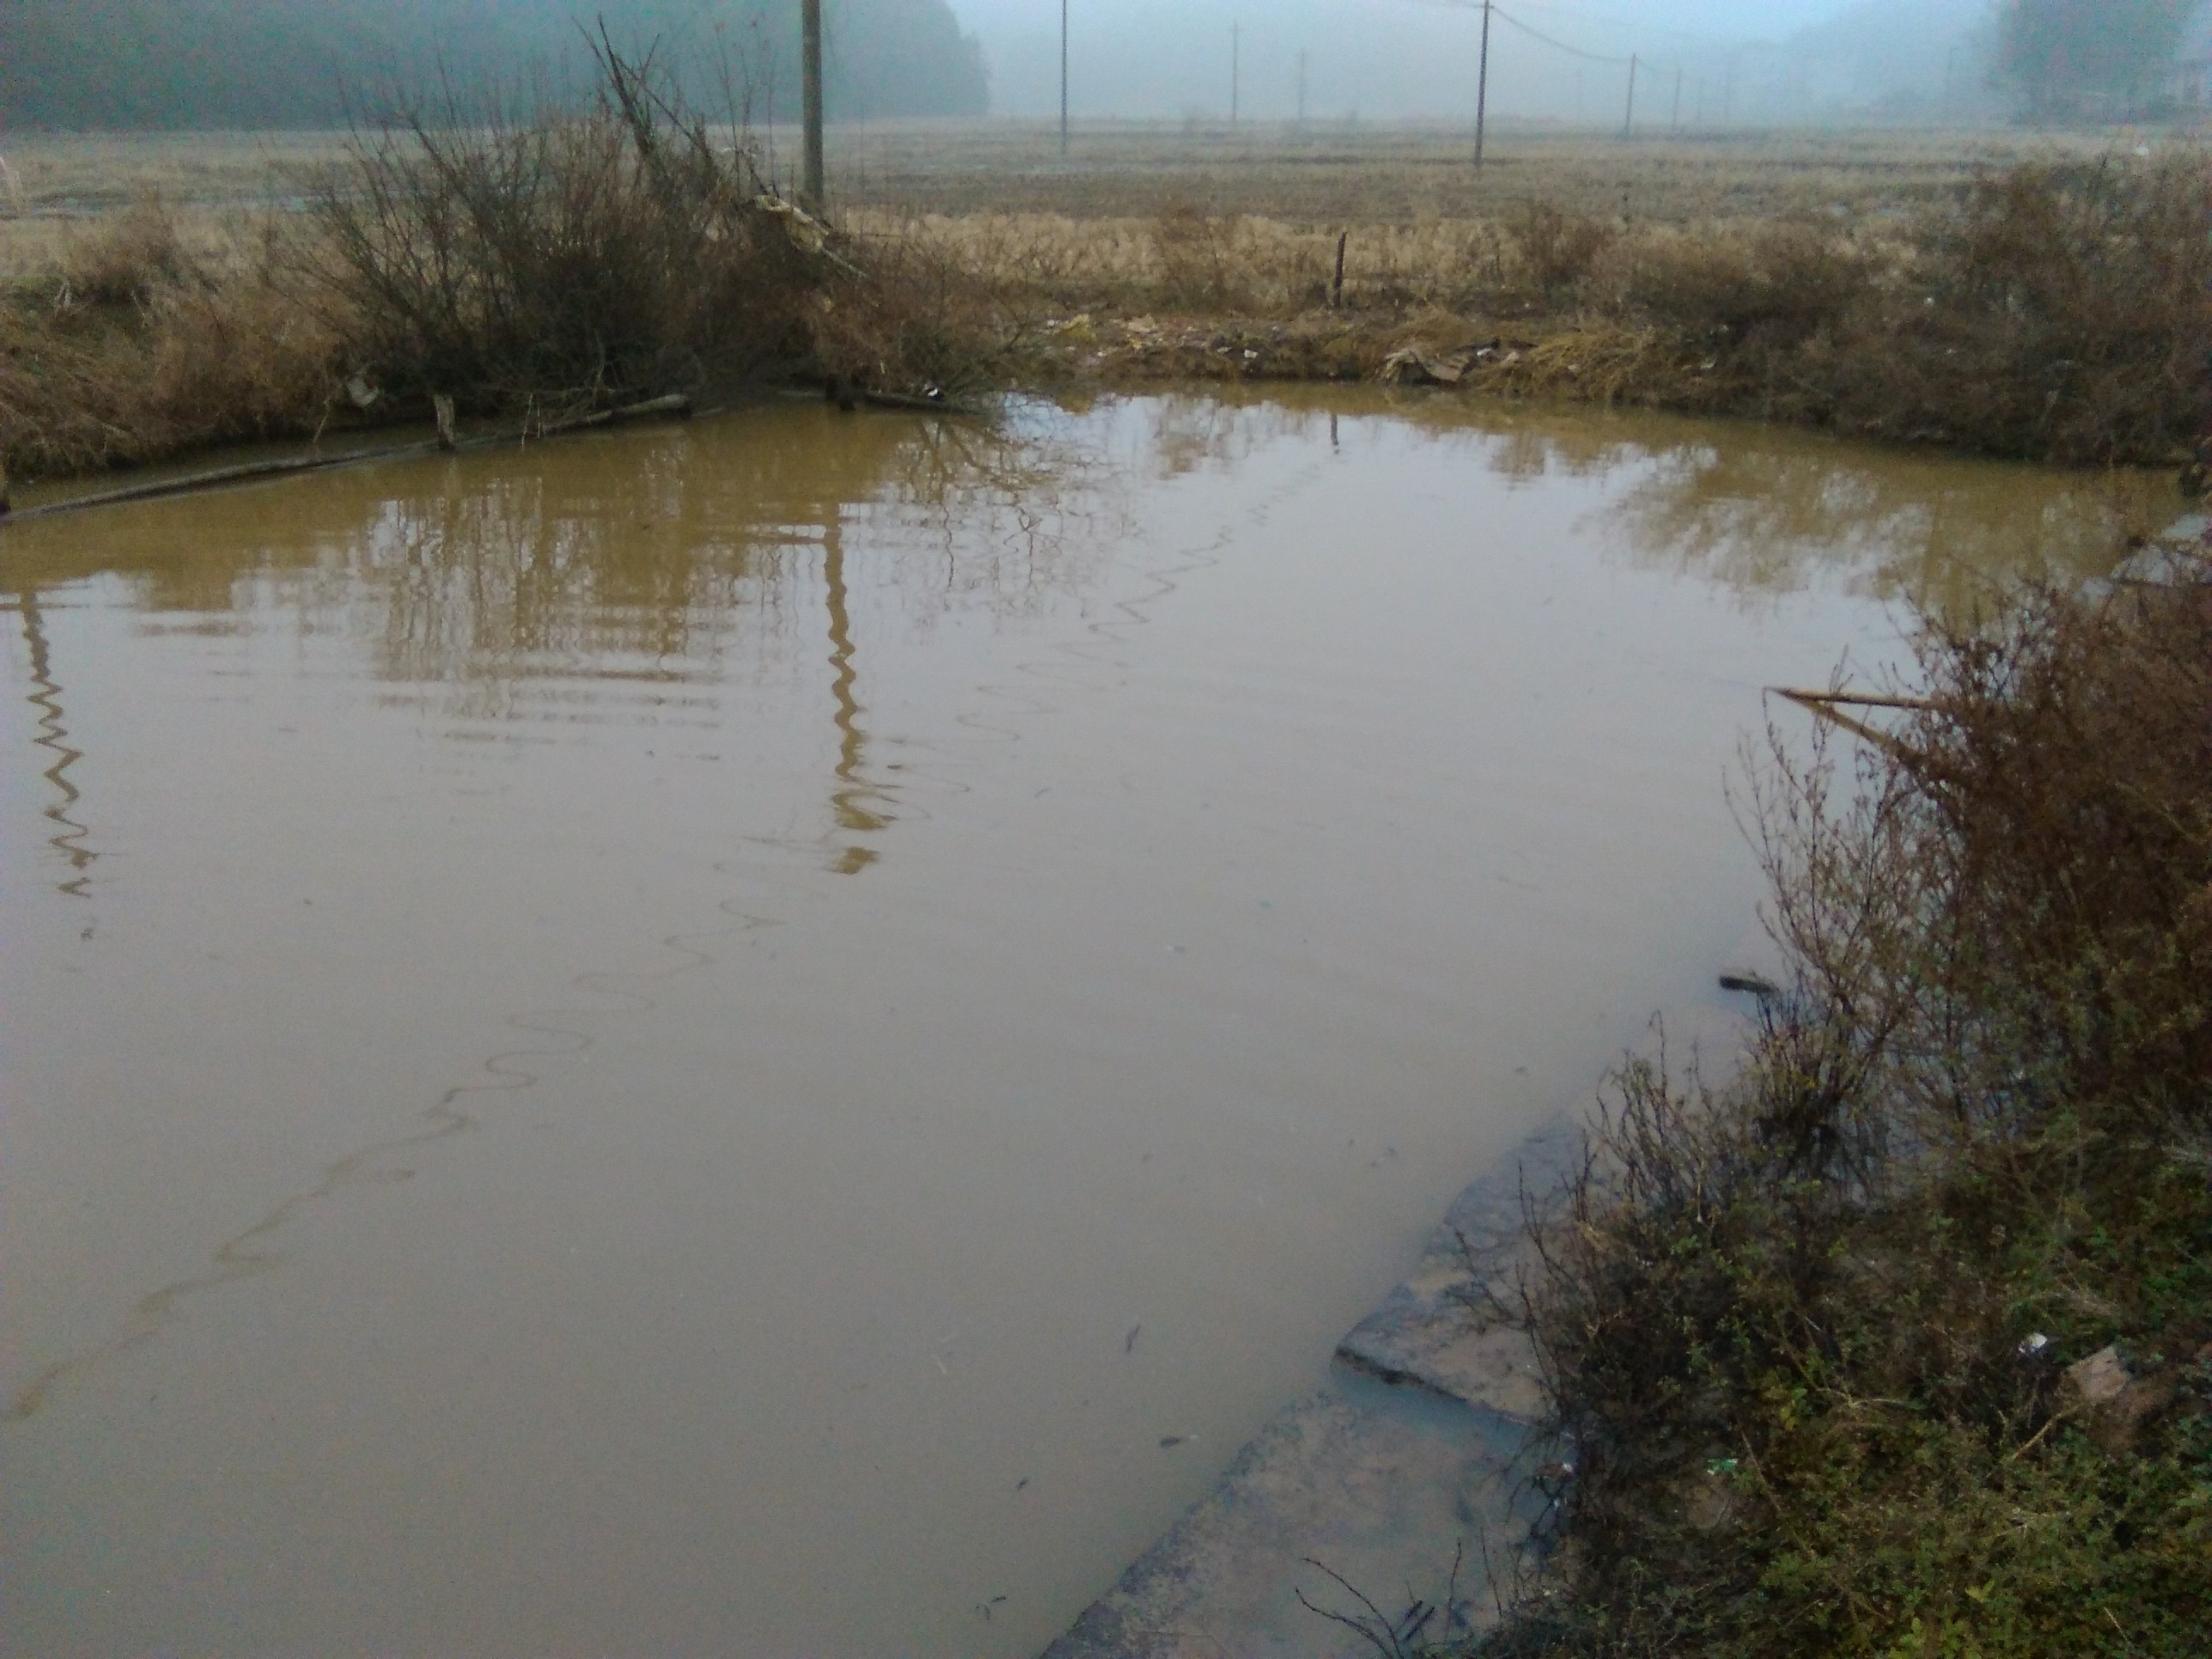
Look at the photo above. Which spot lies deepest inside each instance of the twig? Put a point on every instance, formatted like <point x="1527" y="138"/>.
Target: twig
<point x="2029" y="1444"/>
<point x="1389" y="1650"/>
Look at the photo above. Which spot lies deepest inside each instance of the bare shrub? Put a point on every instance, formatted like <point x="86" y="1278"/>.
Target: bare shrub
<point x="2061" y="312"/>
<point x="1776" y="283"/>
<point x="1806" y="1330"/>
<point x="1554" y="248"/>
<point x="615" y="251"/>
<point x="917" y="321"/>
<point x="622" y="249"/>
<point x="1199" y="259"/>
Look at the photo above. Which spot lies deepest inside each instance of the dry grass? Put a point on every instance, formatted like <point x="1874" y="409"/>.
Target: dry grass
<point x="1807" y="1331"/>
<point x="1783" y="277"/>
<point x="538" y="267"/>
<point x="2051" y="312"/>
<point x="141" y="343"/>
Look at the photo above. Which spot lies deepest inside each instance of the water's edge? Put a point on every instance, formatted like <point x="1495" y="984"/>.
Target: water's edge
<point x="1406" y="1487"/>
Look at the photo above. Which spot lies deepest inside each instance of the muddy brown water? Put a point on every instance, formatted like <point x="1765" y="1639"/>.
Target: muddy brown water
<point x="704" y="1041"/>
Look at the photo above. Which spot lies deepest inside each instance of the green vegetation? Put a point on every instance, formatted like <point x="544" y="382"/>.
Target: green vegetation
<point x="210" y="64"/>
<point x="1900" y="1342"/>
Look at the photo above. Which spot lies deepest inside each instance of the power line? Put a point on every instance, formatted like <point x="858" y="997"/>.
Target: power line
<point x="1560" y="45"/>
<point x="1641" y="26"/>
<point x="1691" y="39"/>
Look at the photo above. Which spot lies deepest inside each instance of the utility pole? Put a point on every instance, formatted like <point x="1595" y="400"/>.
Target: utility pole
<point x="810" y="12"/>
<point x="1236" y="68"/>
<point x="1302" y="88"/>
<point x="1063" y="78"/>
<point x="1676" y="125"/>
<point x="1482" y="88"/>
<point x="1628" y="122"/>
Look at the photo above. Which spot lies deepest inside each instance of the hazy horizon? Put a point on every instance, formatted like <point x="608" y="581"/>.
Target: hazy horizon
<point x="1787" y="60"/>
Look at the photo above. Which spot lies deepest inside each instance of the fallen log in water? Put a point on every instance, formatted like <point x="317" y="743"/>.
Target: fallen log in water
<point x="675" y="406"/>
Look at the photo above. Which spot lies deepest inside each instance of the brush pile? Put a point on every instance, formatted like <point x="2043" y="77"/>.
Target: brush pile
<point x="546" y="265"/>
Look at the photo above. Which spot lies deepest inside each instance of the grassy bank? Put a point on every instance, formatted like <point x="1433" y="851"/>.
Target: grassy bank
<point x="1899" y="1342"/>
<point x="2051" y="312"/>
<point x="2050" y="303"/>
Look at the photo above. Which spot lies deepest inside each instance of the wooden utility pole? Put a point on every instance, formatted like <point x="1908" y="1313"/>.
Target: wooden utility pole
<point x="1676" y="125"/>
<point x="814" y="191"/>
<point x="1628" y="122"/>
<point x="1302" y="88"/>
<point x="1063" y="77"/>
<point x="1235" y="69"/>
<point x="1482" y="88"/>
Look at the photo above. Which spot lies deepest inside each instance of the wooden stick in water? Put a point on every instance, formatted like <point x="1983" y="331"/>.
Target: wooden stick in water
<point x="158" y="489"/>
<point x="1829" y="706"/>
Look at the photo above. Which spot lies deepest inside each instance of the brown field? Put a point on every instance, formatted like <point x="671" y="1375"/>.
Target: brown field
<point x="1323" y="177"/>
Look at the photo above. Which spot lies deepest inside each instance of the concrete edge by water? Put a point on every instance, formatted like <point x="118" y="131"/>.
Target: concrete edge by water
<point x="1414" y="1459"/>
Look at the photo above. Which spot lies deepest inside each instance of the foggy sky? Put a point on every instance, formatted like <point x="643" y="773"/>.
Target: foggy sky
<point x="1755" y="60"/>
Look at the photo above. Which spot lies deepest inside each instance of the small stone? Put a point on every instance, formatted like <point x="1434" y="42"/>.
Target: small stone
<point x="2095" y="1383"/>
<point x="2112" y="1401"/>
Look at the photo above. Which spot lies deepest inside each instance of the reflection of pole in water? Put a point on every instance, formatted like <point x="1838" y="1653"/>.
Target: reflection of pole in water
<point x="54" y="735"/>
<point x="852" y="743"/>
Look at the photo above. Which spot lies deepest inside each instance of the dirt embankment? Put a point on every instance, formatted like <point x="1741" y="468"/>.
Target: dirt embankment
<point x="2056" y="310"/>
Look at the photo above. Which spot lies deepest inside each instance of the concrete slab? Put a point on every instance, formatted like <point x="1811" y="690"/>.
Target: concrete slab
<point x="1381" y="1486"/>
<point x="1439" y="1329"/>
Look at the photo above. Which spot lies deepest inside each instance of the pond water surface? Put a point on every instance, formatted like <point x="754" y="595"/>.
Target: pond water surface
<point x="701" y="1041"/>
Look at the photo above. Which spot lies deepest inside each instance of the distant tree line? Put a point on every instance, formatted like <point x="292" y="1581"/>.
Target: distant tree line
<point x="181" y="64"/>
<point x="2067" y="59"/>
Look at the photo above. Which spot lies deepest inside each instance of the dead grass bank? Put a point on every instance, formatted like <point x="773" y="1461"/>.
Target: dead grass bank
<point x="2036" y="300"/>
<point x="1900" y="1343"/>
<point x="2051" y="311"/>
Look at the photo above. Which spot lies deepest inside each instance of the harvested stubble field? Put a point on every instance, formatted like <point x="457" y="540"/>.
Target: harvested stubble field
<point x="2036" y="294"/>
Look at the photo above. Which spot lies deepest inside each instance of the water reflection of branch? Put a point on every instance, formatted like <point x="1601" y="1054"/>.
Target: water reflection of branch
<point x="646" y="555"/>
<point x="53" y="736"/>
